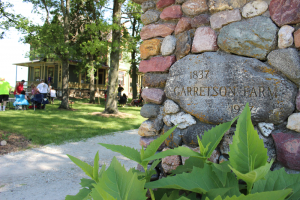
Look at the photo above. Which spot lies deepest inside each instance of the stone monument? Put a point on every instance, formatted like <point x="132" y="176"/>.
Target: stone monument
<point x="205" y="59"/>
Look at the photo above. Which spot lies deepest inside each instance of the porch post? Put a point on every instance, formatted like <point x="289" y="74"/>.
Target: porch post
<point x="80" y="81"/>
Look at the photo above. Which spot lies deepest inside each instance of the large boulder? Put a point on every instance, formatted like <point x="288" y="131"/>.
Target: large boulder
<point x="214" y="87"/>
<point x="254" y="37"/>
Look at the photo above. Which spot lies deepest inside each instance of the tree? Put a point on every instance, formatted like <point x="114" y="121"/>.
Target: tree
<point x="53" y="39"/>
<point x="133" y="12"/>
<point x="111" y="101"/>
<point x="92" y="42"/>
<point x="8" y="19"/>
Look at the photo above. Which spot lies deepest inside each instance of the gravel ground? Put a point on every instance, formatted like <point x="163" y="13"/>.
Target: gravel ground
<point x="47" y="173"/>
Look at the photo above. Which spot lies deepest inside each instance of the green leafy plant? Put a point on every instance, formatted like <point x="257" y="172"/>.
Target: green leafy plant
<point x="198" y="178"/>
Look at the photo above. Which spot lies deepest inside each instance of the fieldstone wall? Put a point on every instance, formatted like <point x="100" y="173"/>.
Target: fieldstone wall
<point x="205" y="59"/>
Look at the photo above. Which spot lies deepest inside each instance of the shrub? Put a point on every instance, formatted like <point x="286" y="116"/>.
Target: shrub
<point x="198" y="178"/>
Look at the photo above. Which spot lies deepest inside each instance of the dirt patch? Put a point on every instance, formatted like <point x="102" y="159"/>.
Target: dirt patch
<point x="15" y="142"/>
<point x="118" y="115"/>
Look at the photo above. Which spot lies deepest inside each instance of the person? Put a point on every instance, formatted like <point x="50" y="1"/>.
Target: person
<point x="52" y="95"/>
<point x="105" y="95"/>
<point x="49" y="79"/>
<point x="19" y="88"/>
<point x="23" y="100"/>
<point x="42" y="88"/>
<point x="120" y="89"/>
<point x="34" y="90"/>
<point x="5" y="89"/>
<point x="49" y="90"/>
<point x="123" y="100"/>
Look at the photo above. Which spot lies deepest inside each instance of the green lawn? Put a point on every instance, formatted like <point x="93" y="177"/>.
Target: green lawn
<point x="57" y="126"/>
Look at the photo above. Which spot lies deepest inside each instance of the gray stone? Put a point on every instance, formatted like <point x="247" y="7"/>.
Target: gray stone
<point x="222" y="158"/>
<point x="148" y="5"/>
<point x="183" y="44"/>
<point x="189" y="135"/>
<point x="285" y="37"/>
<point x="266" y="128"/>
<point x="278" y="166"/>
<point x="180" y="1"/>
<point x="147" y="128"/>
<point x="175" y="139"/>
<point x="269" y="145"/>
<point x="254" y="37"/>
<point x="288" y="62"/>
<point x="155" y="80"/>
<point x="183" y="120"/>
<point x="167" y="120"/>
<point x="214" y="87"/>
<point x="194" y="7"/>
<point x="294" y="122"/>
<point x="168" y="45"/>
<point x="3" y="143"/>
<point x="226" y="141"/>
<point x="150" y="110"/>
<point x="150" y="16"/>
<point x="159" y="122"/>
<point x="170" y="107"/>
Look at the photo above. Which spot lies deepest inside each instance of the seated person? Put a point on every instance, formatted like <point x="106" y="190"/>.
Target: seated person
<point x="123" y="99"/>
<point x="21" y="100"/>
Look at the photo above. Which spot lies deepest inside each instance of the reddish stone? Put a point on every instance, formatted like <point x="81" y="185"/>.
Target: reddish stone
<point x="157" y="64"/>
<point x="194" y="7"/>
<point x="288" y="149"/>
<point x="170" y="163"/>
<point x="220" y="19"/>
<point x="200" y="20"/>
<point x="172" y="12"/>
<point x="297" y="38"/>
<point x="155" y="30"/>
<point x="145" y="141"/>
<point x="205" y="40"/>
<point x="285" y="12"/>
<point x="184" y="24"/>
<point x="298" y="101"/>
<point x="164" y="3"/>
<point x="154" y="95"/>
<point x="155" y="80"/>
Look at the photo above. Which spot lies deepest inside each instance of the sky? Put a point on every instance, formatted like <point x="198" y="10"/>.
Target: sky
<point x="11" y="50"/>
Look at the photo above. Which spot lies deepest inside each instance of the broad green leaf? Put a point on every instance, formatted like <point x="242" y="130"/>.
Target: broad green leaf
<point x="221" y="171"/>
<point x="88" y="170"/>
<point x="251" y="177"/>
<point x="172" y="196"/>
<point x="120" y="184"/>
<point x="101" y="194"/>
<point x="200" y="180"/>
<point x="211" y="194"/>
<point x="84" y="182"/>
<point x="128" y="152"/>
<point x="81" y="195"/>
<point x="103" y="168"/>
<point x="154" y="164"/>
<point x="96" y="167"/>
<point x="212" y="138"/>
<point x="247" y="151"/>
<point x="279" y="180"/>
<point x="189" y="165"/>
<point x="183" y="198"/>
<point x="182" y="151"/>
<point x="272" y="195"/>
<point x="154" y="145"/>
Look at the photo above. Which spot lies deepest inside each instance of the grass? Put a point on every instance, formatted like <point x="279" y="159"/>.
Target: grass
<point x="57" y="126"/>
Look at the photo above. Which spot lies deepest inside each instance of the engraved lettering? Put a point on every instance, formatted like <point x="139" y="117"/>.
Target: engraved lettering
<point x="196" y="91"/>
<point x="272" y="95"/>
<point x="253" y="92"/>
<point x="245" y="90"/>
<point x="216" y="91"/>
<point x="182" y="92"/>
<point x="232" y="91"/>
<point x="201" y="90"/>
<point x="206" y="71"/>
<point x="189" y="91"/>
<point x="208" y="91"/>
<point x="261" y="91"/>
<point x="224" y="93"/>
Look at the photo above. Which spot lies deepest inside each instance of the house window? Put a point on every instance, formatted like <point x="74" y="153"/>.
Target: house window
<point x="101" y="77"/>
<point x="36" y="74"/>
<point x="121" y="78"/>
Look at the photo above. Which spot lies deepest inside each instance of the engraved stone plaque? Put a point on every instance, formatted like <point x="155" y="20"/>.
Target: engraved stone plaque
<point x="214" y="87"/>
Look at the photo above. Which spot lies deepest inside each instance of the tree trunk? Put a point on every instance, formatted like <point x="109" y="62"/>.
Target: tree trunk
<point x="65" y="84"/>
<point x="111" y="101"/>
<point x="92" y="82"/>
<point x="133" y="63"/>
<point x="65" y="58"/>
<point x="133" y="75"/>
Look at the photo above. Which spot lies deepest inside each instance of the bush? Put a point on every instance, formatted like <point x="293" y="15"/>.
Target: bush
<point x="198" y="178"/>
